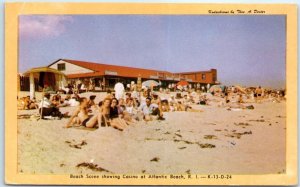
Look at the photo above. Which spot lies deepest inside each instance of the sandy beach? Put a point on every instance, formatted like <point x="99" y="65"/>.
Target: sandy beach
<point x="213" y="141"/>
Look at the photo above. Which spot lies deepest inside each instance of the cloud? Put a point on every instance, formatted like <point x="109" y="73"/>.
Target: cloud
<point x="43" y="26"/>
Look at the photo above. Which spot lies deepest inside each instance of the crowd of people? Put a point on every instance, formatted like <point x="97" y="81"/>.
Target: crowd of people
<point x="126" y="110"/>
<point x="120" y="108"/>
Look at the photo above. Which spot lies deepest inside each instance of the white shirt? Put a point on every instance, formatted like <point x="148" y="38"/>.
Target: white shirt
<point x="45" y="103"/>
<point x="147" y="109"/>
<point x="73" y="102"/>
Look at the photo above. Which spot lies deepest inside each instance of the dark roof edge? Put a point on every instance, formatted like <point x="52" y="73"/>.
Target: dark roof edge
<point x="70" y="61"/>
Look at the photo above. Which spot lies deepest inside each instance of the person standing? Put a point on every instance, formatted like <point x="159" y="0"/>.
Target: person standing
<point x="119" y="90"/>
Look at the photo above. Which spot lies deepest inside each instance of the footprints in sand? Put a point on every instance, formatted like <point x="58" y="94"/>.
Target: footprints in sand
<point x="73" y="144"/>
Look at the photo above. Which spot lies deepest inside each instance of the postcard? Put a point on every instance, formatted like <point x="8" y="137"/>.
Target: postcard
<point x="150" y="94"/>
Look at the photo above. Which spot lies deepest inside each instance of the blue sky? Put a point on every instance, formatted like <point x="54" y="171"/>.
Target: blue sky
<point x="245" y="50"/>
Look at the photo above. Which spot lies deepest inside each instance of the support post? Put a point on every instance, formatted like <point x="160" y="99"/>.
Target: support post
<point x="32" y="86"/>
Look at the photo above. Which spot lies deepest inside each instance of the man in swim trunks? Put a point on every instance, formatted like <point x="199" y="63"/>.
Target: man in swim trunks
<point x="258" y="93"/>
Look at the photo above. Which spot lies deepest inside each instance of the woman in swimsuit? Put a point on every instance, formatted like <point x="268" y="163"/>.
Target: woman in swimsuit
<point x="116" y="116"/>
<point x="80" y="115"/>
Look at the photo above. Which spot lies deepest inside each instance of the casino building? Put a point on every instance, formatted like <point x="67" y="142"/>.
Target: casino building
<point x="110" y="74"/>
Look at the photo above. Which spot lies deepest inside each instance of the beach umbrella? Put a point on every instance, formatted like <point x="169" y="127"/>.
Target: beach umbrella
<point x="179" y="87"/>
<point x="150" y="83"/>
<point x="182" y="83"/>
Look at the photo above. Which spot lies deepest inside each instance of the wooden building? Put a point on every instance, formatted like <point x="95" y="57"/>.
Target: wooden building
<point x="110" y="74"/>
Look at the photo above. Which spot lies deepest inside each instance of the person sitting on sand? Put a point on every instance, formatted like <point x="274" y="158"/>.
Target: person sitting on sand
<point x="130" y="108"/>
<point x="91" y="102"/>
<point x="55" y="100"/>
<point x="122" y="103"/>
<point x="80" y="116"/>
<point x="106" y="118"/>
<point x="73" y="101"/>
<point x="25" y="103"/>
<point x="172" y="100"/>
<point x="150" y="110"/>
<point x="129" y="111"/>
<point x="104" y="112"/>
<point x="116" y="113"/>
<point x="165" y="105"/>
<point x="203" y="100"/>
<point x="185" y="100"/>
<point x="65" y="102"/>
<point x="172" y="107"/>
<point x="127" y="96"/>
<point x="46" y="108"/>
<point x="156" y="101"/>
<point x="32" y="103"/>
<point x="144" y="97"/>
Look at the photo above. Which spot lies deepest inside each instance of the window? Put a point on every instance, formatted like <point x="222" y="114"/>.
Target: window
<point x="203" y="76"/>
<point x="61" y="67"/>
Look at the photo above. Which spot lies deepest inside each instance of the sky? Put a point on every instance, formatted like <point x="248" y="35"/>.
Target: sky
<point x="245" y="50"/>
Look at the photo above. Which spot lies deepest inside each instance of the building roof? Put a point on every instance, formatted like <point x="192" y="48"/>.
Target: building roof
<point x="100" y="69"/>
<point x="106" y="69"/>
<point x="43" y="69"/>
